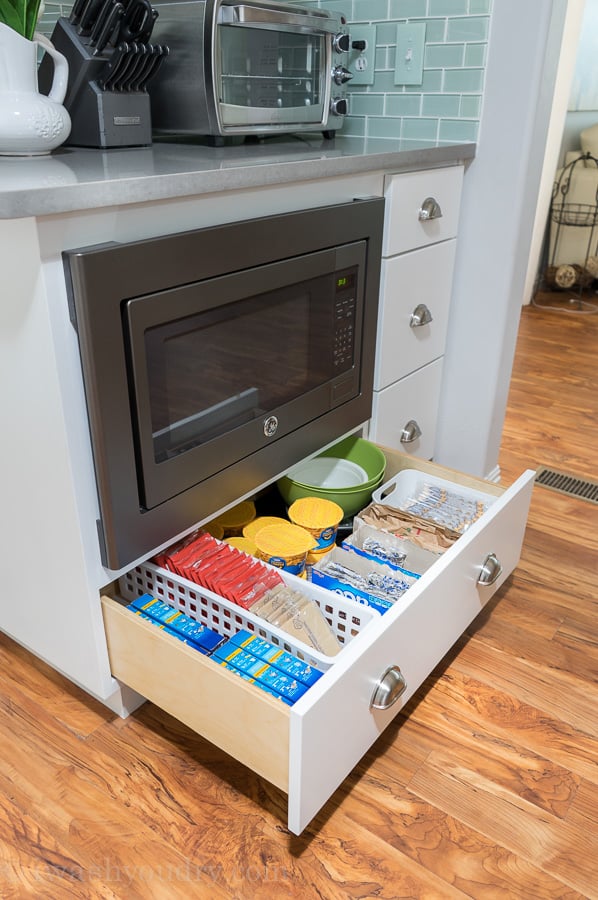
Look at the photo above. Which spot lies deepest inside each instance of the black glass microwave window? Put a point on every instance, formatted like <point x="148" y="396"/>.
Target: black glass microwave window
<point x="216" y="370"/>
<point x="270" y="69"/>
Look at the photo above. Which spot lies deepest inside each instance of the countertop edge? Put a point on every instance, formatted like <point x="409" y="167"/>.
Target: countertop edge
<point x="100" y="192"/>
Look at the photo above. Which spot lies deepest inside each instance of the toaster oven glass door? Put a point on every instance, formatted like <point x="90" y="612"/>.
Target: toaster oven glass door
<point x="268" y="76"/>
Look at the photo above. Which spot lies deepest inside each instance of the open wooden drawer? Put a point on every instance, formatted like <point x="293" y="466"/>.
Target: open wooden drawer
<point x="308" y="749"/>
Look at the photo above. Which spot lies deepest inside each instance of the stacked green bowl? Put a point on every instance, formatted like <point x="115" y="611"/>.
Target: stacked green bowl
<point x="345" y="473"/>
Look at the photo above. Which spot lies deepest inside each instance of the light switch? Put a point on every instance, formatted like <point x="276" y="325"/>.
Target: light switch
<point x="409" y="64"/>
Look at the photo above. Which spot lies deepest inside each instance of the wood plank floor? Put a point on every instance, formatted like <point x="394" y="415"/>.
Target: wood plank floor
<point x="486" y="787"/>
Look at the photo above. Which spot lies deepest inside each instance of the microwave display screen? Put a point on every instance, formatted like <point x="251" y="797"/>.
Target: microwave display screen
<point x="216" y="370"/>
<point x="266" y="69"/>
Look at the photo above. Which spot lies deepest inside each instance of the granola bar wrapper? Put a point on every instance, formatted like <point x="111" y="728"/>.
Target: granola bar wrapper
<point x="419" y="531"/>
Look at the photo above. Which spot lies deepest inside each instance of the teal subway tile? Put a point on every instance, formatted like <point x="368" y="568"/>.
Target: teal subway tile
<point x="473" y="28"/>
<point x="463" y="80"/>
<point x="369" y="10"/>
<point x="339" y="6"/>
<point x="435" y="31"/>
<point x="441" y="105"/>
<point x="470" y="107"/>
<point x="403" y="105"/>
<point x="367" y="105"/>
<point x="384" y="82"/>
<point x="386" y="33"/>
<point x="444" y="56"/>
<point x="382" y="58"/>
<point x="384" y="127"/>
<point x="407" y="9"/>
<point x="431" y="84"/>
<point x="420" y="129"/>
<point x="448" y="7"/>
<point x="354" y="126"/>
<point x="478" y="7"/>
<point x="457" y="130"/>
<point x="475" y="55"/>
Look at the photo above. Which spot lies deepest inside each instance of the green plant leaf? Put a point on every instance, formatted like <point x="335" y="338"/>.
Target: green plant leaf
<point x="21" y="15"/>
<point x="32" y="12"/>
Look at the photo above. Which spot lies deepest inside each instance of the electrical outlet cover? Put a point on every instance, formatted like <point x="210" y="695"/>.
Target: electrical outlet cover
<point x="361" y="63"/>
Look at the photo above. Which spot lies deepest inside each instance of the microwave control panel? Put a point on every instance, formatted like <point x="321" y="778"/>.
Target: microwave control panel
<point x="344" y="320"/>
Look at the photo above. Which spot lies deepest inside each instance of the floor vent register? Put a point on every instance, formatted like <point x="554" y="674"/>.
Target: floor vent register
<point x="569" y="484"/>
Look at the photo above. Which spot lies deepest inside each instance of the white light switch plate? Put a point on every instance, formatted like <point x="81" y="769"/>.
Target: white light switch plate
<point x="409" y="65"/>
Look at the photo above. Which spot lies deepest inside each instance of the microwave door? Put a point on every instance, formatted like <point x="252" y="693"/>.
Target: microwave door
<point x="223" y="367"/>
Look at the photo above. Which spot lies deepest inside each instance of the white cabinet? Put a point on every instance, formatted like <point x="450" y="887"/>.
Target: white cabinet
<point x="308" y="749"/>
<point x="422" y="212"/>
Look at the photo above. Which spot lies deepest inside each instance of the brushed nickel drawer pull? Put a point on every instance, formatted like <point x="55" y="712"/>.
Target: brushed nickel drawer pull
<point x="430" y="209"/>
<point x="421" y="315"/>
<point x="491" y="570"/>
<point x="411" y="432"/>
<point x="388" y="690"/>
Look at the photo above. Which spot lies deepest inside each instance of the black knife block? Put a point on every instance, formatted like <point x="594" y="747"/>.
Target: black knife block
<point x="100" y="118"/>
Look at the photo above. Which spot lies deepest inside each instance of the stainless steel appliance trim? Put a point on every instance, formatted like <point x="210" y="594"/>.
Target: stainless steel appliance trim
<point x="275" y="16"/>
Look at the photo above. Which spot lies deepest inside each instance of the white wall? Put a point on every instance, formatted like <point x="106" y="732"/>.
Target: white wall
<point x="500" y="197"/>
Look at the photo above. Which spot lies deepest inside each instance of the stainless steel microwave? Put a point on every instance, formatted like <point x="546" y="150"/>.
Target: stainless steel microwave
<point x="214" y="360"/>
<point x="242" y="67"/>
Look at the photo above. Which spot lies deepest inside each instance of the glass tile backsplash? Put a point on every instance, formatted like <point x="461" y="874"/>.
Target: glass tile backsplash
<point x="445" y="106"/>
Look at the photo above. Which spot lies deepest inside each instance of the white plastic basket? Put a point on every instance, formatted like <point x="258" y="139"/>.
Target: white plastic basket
<point x="409" y="483"/>
<point x="346" y="618"/>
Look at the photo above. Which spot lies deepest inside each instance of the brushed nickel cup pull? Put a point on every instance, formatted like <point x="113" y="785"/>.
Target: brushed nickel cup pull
<point x="388" y="690"/>
<point x="430" y="209"/>
<point x="411" y="432"/>
<point x="421" y="315"/>
<point x="491" y="570"/>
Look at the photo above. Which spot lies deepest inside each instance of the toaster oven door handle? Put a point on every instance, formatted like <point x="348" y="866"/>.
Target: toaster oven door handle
<point x="246" y="14"/>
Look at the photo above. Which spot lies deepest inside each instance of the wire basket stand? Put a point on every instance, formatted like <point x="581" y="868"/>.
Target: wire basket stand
<point x="566" y="214"/>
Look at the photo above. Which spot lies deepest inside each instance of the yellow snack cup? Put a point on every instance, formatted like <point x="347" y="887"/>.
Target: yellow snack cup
<point x="242" y="543"/>
<point x="213" y="528"/>
<point x="234" y="520"/>
<point x="320" y="518"/>
<point x="252" y="529"/>
<point x="284" y="546"/>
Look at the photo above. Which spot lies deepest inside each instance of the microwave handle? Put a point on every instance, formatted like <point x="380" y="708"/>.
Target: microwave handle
<point x="255" y="16"/>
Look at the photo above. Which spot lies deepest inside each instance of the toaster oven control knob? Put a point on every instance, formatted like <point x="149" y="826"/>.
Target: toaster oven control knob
<point x="339" y="106"/>
<point x="341" y="75"/>
<point x="342" y="43"/>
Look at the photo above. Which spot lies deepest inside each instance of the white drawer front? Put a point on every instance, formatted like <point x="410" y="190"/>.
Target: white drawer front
<point x="404" y="227"/>
<point x="413" y="399"/>
<point x="333" y="726"/>
<point x="308" y="749"/>
<point x="412" y="284"/>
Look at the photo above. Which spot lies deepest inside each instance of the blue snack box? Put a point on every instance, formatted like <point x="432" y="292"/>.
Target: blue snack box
<point x="176" y="634"/>
<point x="272" y="654"/>
<point x="178" y="623"/>
<point x="262" y="687"/>
<point x="261" y="671"/>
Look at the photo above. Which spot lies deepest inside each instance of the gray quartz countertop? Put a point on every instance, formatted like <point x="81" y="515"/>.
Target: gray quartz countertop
<point x="75" y="179"/>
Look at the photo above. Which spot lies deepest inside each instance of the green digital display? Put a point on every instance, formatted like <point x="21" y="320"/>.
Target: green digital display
<point x="345" y="281"/>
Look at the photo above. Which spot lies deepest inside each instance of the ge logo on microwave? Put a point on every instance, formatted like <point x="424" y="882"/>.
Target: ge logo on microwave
<point x="270" y="426"/>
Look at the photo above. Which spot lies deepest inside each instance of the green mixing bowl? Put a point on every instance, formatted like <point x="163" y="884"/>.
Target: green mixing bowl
<point x="351" y="499"/>
<point x="361" y="452"/>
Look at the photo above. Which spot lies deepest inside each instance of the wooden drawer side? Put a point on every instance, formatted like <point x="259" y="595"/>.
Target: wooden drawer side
<point x="240" y="719"/>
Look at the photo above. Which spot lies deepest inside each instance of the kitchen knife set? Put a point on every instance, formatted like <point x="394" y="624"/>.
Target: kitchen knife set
<point x="111" y="61"/>
<point x="122" y="30"/>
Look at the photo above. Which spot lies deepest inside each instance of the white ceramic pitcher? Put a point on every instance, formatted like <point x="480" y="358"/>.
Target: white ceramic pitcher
<point x="31" y="124"/>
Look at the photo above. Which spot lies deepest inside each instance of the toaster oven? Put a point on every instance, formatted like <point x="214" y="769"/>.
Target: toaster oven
<point x="243" y="67"/>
